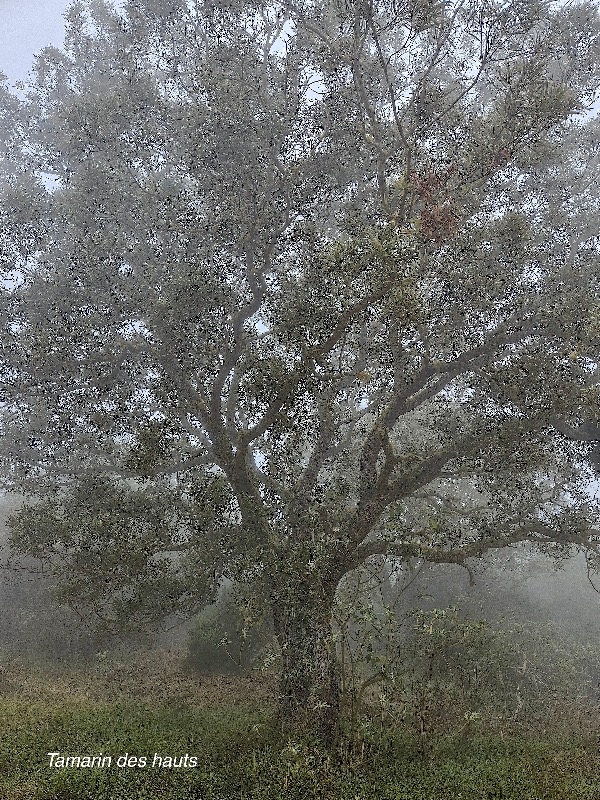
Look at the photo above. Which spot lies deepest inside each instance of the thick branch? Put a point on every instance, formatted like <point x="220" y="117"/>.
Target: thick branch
<point x="586" y="432"/>
<point x="418" y="391"/>
<point x="535" y="532"/>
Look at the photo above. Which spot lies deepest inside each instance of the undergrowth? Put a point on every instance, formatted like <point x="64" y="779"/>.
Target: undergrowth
<point x="242" y="755"/>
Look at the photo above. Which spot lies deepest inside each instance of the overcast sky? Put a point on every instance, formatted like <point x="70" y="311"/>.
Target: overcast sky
<point x="25" y="27"/>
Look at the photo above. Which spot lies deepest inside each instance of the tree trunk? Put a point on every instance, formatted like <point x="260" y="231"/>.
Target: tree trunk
<point x="310" y="684"/>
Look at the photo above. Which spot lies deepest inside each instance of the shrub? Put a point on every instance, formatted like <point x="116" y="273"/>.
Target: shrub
<point x="449" y="672"/>
<point x="229" y="637"/>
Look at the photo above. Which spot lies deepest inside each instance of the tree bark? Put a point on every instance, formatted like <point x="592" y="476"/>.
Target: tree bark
<point x="310" y="683"/>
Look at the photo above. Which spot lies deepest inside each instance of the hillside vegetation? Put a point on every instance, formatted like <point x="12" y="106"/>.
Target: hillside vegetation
<point x="153" y="708"/>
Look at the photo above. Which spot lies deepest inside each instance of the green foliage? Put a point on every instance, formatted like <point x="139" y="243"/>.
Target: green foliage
<point x="116" y="729"/>
<point x="247" y="281"/>
<point x="441" y="671"/>
<point x="445" y="663"/>
<point x="376" y="266"/>
<point x="227" y="638"/>
<point x="117" y="548"/>
<point x="454" y="671"/>
<point x="241" y="757"/>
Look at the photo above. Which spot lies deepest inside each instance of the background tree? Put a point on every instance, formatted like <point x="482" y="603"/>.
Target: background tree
<point x="283" y="281"/>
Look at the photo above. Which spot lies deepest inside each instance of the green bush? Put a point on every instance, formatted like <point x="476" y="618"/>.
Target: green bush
<point x="229" y="637"/>
<point x="440" y="672"/>
<point x="241" y="756"/>
<point x="449" y="672"/>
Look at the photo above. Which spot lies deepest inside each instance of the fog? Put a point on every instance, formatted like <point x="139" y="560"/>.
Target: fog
<point x="512" y="586"/>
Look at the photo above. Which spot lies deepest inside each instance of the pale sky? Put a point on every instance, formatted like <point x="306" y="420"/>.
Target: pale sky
<point x="26" y="26"/>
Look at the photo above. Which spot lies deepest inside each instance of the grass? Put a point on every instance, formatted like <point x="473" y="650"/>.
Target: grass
<point x="226" y="724"/>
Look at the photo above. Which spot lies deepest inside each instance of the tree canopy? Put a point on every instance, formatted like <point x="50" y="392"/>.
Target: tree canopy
<point x="291" y="285"/>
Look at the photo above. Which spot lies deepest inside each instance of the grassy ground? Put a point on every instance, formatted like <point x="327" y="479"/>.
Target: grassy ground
<point x="156" y="708"/>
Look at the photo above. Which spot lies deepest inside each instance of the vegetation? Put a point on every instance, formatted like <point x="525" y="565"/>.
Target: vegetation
<point x="293" y="286"/>
<point x="230" y="636"/>
<point x="230" y="725"/>
<point x="440" y="670"/>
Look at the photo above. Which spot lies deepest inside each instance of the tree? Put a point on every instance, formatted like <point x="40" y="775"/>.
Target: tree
<point x="293" y="285"/>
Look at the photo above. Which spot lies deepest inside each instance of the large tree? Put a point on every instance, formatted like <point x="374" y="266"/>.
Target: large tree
<point x="293" y="285"/>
